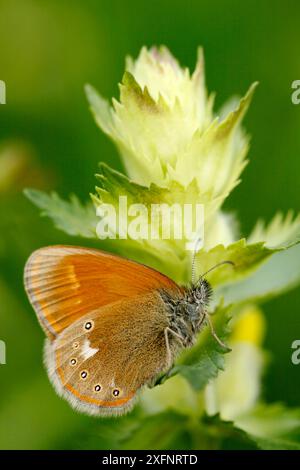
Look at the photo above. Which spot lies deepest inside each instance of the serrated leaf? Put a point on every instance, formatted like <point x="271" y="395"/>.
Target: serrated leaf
<point x="279" y="274"/>
<point x="246" y="258"/>
<point x="165" y="430"/>
<point x="159" y="431"/>
<point x="114" y="184"/>
<point x="281" y="231"/>
<point x="110" y="432"/>
<point x="100" y="108"/>
<point x="226" y="434"/>
<point x="276" y="444"/>
<point x="273" y="426"/>
<point x="71" y="216"/>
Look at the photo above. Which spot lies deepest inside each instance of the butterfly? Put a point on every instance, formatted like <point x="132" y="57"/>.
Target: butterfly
<point x="112" y="325"/>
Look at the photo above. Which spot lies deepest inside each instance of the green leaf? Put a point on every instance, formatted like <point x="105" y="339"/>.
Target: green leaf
<point x="100" y="108"/>
<point x="280" y="272"/>
<point x="71" y="217"/>
<point x="166" y="430"/>
<point x="160" y="431"/>
<point x="273" y="426"/>
<point x="205" y="359"/>
<point x="278" y="275"/>
<point x="114" y="184"/>
<point x="281" y="231"/>
<point x="246" y="258"/>
<point x="226" y="435"/>
<point x="108" y="433"/>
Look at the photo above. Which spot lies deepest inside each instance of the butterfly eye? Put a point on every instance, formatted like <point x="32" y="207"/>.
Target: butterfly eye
<point x="83" y="374"/>
<point x="116" y="392"/>
<point x="73" y="361"/>
<point x="97" y="388"/>
<point x="88" y="325"/>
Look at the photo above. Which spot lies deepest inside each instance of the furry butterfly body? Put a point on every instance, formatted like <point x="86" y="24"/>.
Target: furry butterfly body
<point x="112" y="325"/>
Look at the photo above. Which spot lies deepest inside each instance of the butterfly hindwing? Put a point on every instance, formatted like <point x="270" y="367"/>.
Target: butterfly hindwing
<point x="101" y="360"/>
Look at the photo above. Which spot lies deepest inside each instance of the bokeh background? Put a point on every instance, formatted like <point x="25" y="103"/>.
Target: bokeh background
<point x="48" y="140"/>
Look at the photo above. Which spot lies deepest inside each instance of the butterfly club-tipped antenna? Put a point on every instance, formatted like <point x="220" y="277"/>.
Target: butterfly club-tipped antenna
<point x="196" y="249"/>
<point x="207" y="315"/>
<point x="215" y="267"/>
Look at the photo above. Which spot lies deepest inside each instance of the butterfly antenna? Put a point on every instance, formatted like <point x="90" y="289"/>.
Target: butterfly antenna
<point x="196" y="249"/>
<point x="217" y="266"/>
<point x="207" y="314"/>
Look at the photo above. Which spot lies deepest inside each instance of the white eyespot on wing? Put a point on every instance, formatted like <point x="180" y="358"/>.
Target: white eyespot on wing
<point x="79" y="403"/>
<point x="86" y="350"/>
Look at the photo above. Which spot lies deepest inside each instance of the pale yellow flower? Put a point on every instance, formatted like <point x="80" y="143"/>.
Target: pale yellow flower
<point x="165" y="128"/>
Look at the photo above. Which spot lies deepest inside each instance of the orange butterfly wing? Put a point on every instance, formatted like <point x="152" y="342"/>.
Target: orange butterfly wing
<point x="100" y="370"/>
<point x="64" y="283"/>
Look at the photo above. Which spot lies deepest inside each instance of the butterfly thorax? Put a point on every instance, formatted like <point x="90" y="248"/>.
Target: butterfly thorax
<point x="187" y="313"/>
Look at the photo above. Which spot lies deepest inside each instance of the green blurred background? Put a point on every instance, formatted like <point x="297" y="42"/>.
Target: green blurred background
<point x="48" y="139"/>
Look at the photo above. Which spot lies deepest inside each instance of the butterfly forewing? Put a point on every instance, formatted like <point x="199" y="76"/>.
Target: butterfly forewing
<point x="64" y="283"/>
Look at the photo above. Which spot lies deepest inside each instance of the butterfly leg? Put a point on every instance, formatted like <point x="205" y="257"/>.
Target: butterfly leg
<point x="214" y="334"/>
<point x="169" y="355"/>
<point x="202" y="320"/>
<point x="178" y="336"/>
